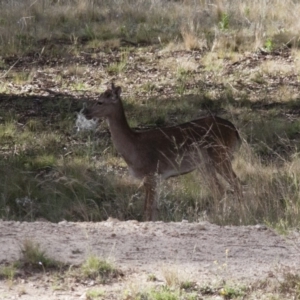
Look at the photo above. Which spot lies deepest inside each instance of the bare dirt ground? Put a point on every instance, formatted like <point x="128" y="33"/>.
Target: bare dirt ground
<point x="200" y="252"/>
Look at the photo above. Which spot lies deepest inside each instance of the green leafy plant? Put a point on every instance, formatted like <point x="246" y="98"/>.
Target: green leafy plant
<point x="224" y="22"/>
<point x="230" y="292"/>
<point x="269" y="45"/>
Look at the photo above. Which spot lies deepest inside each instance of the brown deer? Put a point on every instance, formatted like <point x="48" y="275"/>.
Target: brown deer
<point x="207" y="144"/>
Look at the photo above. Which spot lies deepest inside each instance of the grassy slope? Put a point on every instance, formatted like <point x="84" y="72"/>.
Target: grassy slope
<point x="193" y="58"/>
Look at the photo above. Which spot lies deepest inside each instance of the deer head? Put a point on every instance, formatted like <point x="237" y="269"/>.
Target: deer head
<point x="107" y="105"/>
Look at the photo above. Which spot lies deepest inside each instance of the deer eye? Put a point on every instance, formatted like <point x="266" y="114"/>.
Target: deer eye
<point x="99" y="103"/>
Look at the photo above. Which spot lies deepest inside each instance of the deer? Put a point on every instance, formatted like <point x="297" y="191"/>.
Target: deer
<point x="207" y="144"/>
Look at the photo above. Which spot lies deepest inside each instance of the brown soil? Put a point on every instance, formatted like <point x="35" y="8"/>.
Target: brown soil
<point x="200" y="252"/>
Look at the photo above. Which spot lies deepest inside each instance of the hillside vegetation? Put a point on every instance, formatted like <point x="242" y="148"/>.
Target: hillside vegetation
<point x="175" y="61"/>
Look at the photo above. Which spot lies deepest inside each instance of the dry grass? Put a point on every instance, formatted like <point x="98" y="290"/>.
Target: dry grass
<point x="199" y="24"/>
<point x="56" y="175"/>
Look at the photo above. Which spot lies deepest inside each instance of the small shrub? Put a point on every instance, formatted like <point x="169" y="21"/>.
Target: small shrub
<point x="96" y="268"/>
<point x="34" y="125"/>
<point x="8" y="271"/>
<point x="171" y="276"/>
<point x="32" y="255"/>
<point x="230" y="292"/>
<point x="94" y="294"/>
<point x="269" y="45"/>
<point x="163" y="294"/>
<point x="188" y="285"/>
<point x="151" y="277"/>
<point x="290" y="285"/>
<point x="224" y="22"/>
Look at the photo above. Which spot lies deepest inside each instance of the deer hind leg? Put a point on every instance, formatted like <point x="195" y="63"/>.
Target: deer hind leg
<point x="208" y="172"/>
<point x="213" y="182"/>
<point x="150" y="205"/>
<point x="224" y="168"/>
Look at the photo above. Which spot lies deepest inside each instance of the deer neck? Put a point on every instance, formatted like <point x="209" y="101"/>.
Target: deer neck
<point x="122" y="135"/>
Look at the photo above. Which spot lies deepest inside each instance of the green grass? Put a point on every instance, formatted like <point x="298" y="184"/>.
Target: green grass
<point x="34" y="256"/>
<point x="167" y="293"/>
<point x="163" y="294"/>
<point x="51" y="171"/>
<point x="119" y="66"/>
<point x="33" y="259"/>
<point x="97" y="269"/>
<point x="95" y="294"/>
<point x="8" y="272"/>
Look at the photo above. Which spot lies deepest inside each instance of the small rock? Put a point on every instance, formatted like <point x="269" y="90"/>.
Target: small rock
<point x="260" y="227"/>
<point x="64" y="222"/>
<point x="112" y="220"/>
<point x="200" y="227"/>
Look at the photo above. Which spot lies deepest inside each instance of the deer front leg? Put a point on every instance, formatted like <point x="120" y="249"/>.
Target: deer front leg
<point x="150" y="205"/>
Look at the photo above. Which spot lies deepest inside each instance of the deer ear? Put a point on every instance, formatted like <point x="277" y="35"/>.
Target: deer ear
<point x="118" y="91"/>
